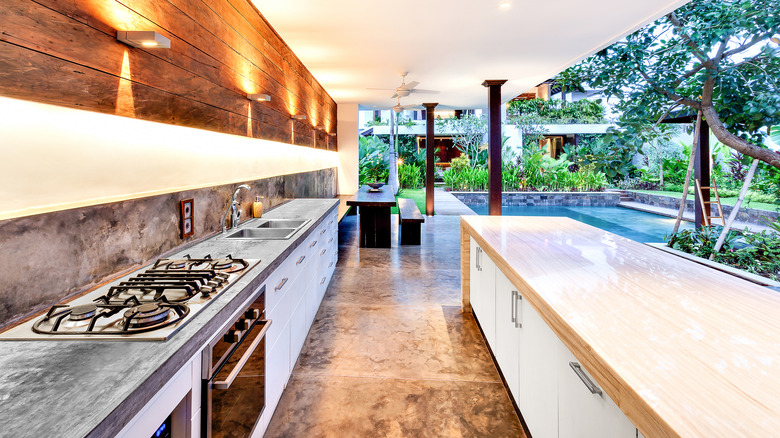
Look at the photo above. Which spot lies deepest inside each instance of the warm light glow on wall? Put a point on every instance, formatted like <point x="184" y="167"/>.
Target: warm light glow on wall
<point x="57" y="158"/>
<point x="125" y="104"/>
<point x="249" y="119"/>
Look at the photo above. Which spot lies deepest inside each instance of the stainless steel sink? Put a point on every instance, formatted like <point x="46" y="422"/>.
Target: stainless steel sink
<point x="263" y="233"/>
<point x="270" y="229"/>
<point x="283" y="223"/>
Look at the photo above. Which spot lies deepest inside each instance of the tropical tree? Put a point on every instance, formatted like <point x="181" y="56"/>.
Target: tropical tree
<point x="719" y="57"/>
<point x="468" y="135"/>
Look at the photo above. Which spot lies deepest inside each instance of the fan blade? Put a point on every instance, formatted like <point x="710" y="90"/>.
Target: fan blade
<point x="394" y="96"/>
<point x="411" y="85"/>
<point x="421" y="91"/>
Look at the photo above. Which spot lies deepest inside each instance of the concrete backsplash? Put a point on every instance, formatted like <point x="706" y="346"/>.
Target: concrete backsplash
<point x="49" y="257"/>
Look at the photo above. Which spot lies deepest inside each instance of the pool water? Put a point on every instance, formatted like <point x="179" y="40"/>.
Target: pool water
<point x="632" y="224"/>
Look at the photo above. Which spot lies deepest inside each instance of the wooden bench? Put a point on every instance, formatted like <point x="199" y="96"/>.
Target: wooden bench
<point x="409" y="220"/>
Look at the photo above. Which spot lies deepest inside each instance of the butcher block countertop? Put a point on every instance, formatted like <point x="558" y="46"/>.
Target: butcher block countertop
<point x="684" y="350"/>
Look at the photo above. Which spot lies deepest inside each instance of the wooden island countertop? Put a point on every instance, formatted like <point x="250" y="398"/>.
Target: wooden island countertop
<point x="682" y="349"/>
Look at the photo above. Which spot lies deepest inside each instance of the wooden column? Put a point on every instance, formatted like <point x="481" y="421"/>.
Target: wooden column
<point x="494" y="145"/>
<point x="702" y="173"/>
<point x="429" y="157"/>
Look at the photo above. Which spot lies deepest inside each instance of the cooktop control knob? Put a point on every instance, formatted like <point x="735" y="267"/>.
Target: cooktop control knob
<point x="206" y="291"/>
<point x="232" y="336"/>
<point x="252" y="314"/>
<point x="243" y="324"/>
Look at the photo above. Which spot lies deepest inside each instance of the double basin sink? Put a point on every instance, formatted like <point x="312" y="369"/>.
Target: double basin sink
<point x="270" y="229"/>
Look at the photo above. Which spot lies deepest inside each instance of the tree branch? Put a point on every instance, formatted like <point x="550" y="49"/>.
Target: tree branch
<point x="688" y="41"/>
<point x="724" y="136"/>
<point x="741" y="48"/>
<point x="670" y="94"/>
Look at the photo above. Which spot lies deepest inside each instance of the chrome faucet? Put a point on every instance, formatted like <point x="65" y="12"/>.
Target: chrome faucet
<point x="233" y="210"/>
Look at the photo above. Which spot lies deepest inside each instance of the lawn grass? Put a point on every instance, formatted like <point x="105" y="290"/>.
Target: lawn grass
<point x="417" y="195"/>
<point x="725" y="201"/>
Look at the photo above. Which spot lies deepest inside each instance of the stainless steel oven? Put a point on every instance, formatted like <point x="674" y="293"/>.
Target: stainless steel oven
<point x="234" y="375"/>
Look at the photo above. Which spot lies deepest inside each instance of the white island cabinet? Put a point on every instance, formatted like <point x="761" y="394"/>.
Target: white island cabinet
<point x="553" y="396"/>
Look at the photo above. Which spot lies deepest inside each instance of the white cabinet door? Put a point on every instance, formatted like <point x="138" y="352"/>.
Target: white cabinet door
<point x="277" y="368"/>
<point x="474" y="278"/>
<point x="538" y="374"/>
<point x="584" y="409"/>
<point x="508" y="332"/>
<point x="483" y="293"/>
<point x="299" y="328"/>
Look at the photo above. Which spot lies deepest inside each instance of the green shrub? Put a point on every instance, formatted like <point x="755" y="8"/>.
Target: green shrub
<point x="410" y="176"/>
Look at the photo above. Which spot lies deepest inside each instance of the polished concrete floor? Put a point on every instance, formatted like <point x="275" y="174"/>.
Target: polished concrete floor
<point x="391" y="354"/>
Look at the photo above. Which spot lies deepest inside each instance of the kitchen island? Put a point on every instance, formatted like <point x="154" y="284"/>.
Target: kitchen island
<point x="681" y="349"/>
<point x="95" y="388"/>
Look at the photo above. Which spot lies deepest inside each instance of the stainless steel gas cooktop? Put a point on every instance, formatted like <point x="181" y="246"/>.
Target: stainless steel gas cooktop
<point x="150" y="305"/>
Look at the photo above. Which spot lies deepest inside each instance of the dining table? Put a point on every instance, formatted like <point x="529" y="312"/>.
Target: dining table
<point x="374" y="213"/>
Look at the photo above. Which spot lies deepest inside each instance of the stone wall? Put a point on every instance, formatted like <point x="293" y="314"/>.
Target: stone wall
<point x="571" y="199"/>
<point x="750" y="215"/>
<point x="50" y="257"/>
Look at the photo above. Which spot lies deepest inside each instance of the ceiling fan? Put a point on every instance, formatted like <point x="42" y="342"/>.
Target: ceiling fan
<point x="407" y="89"/>
<point x="398" y="107"/>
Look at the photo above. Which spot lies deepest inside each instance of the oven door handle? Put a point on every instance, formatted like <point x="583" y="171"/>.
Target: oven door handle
<point x="225" y="384"/>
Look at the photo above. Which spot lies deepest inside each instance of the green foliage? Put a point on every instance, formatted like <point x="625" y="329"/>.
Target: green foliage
<point x="717" y="46"/>
<point x="608" y="155"/>
<point x="758" y="253"/>
<point x="410" y="176"/>
<point x="372" y="160"/>
<point x="459" y="163"/>
<point x="558" y="111"/>
<point x="538" y="172"/>
<point x="376" y="121"/>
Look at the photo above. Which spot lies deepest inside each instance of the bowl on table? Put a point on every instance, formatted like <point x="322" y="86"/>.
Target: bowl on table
<point x="375" y="186"/>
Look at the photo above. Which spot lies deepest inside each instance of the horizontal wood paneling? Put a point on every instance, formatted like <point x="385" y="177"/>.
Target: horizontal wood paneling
<point x="65" y="52"/>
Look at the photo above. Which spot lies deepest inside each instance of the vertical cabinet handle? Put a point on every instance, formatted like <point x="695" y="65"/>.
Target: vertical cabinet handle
<point x="592" y="387"/>
<point x="512" y="306"/>
<point x="518" y="309"/>
<point x="479" y="251"/>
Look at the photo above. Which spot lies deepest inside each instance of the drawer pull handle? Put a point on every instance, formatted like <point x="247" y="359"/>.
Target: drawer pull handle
<point x="323" y="251"/>
<point x="281" y="284"/>
<point x="323" y="280"/>
<point x="331" y="221"/>
<point x="331" y="264"/>
<point x="331" y="240"/>
<point x="312" y="244"/>
<point x="592" y="387"/>
<point x="323" y="231"/>
<point x="300" y="260"/>
<point x="225" y="384"/>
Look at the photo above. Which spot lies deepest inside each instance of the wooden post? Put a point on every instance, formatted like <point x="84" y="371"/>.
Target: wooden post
<point x="735" y="210"/>
<point x="494" y="145"/>
<point x="702" y="173"/>
<point x="429" y="157"/>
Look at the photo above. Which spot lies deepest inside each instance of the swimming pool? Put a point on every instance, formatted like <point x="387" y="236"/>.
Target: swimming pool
<point x="632" y="224"/>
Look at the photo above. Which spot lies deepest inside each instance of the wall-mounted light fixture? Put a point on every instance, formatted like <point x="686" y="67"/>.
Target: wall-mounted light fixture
<point x="143" y="38"/>
<point x="319" y="128"/>
<point x="332" y="134"/>
<point x="259" y="97"/>
<point x="298" y="116"/>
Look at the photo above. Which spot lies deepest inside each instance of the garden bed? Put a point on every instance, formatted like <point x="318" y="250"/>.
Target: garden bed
<point x="750" y="215"/>
<point x="566" y="199"/>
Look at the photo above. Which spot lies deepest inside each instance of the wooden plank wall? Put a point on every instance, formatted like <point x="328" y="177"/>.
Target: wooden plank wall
<point x="65" y="52"/>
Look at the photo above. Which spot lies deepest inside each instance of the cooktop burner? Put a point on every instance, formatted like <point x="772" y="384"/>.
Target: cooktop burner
<point x="149" y="305"/>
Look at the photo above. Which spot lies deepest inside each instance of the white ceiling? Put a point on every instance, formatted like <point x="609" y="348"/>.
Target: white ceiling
<point x="448" y="45"/>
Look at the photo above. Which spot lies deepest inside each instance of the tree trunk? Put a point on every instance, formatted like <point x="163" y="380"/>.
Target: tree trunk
<point x="661" y="181"/>
<point x="392" y="164"/>
<point x="724" y="136"/>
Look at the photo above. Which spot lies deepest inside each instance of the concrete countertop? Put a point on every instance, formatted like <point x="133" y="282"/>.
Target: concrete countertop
<point x="94" y="388"/>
